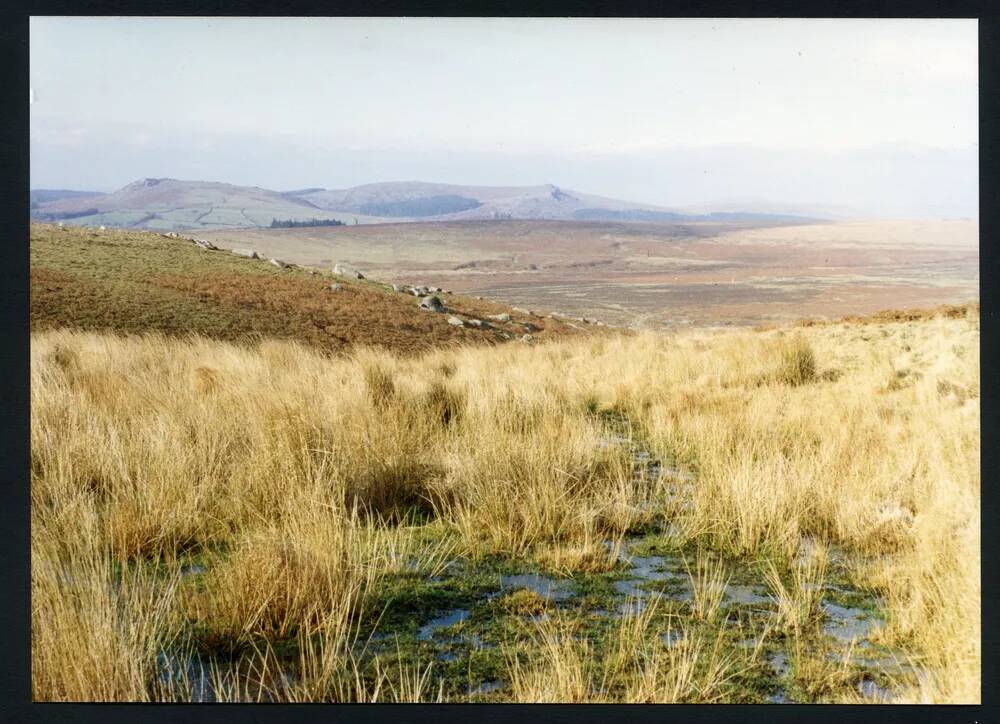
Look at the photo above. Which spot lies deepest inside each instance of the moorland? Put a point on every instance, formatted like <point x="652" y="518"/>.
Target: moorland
<point x="259" y="482"/>
<point x="663" y="275"/>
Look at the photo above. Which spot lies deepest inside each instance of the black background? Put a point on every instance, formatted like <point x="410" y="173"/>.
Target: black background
<point x="15" y="639"/>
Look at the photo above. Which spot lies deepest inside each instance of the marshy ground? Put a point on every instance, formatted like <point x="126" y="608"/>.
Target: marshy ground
<point x="787" y="515"/>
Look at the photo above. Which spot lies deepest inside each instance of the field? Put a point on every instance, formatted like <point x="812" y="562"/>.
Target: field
<point x="739" y="516"/>
<point x="658" y="275"/>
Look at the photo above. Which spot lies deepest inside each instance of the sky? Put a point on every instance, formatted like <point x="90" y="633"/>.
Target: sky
<point x="876" y="116"/>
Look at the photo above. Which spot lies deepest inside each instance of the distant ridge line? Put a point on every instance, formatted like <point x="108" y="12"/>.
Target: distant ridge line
<point x="165" y="204"/>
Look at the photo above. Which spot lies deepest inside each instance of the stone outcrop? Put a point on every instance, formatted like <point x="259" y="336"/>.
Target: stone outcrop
<point x="431" y="304"/>
<point x="346" y="270"/>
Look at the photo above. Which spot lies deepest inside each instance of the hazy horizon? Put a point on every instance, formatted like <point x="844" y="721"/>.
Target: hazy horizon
<point x="876" y="116"/>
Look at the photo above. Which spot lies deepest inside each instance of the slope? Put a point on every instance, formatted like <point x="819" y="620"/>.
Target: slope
<point x="137" y="282"/>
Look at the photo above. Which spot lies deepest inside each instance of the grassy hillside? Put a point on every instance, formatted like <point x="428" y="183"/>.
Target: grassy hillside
<point x="136" y="282"/>
<point x="701" y="517"/>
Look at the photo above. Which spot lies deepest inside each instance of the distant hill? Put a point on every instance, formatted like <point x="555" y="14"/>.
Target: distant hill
<point x="410" y="200"/>
<point x="169" y="204"/>
<point x="776" y="209"/>
<point x="166" y="204"/>
<point x="45" y="196"/>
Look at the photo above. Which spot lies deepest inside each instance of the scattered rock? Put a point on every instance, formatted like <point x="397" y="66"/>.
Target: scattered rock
<point x="280" y="264"/>
<point x="455" y="322"/>
<point x="475" y="322"/>
<point x="432" y="304"/>
<point x="398" y="288"/>
<point x="345" y="270"/>
<point x="205" y="244"/>
<point x="529" y="327"/>
<point x="248" y="253"/>
<point x="312" y="273"/>
<point x="101" y="228"/>
<point x="500" y="317"/>
<point x="527" y="338"/>
<point x="336" y="287"/>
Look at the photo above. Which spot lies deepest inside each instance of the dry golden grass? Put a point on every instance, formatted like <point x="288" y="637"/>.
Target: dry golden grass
<point x="798" y="603"/>
<point x="822" y="678"/>
<point x="563" y="672"/>
<point x="708" y="586"/>
<point x="639" y="668"/>
<point x="694" y="670"/>
<point x="304" y="481"/>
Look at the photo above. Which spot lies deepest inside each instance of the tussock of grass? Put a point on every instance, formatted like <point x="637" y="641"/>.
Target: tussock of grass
<point x="696" y="669"/>
<point x="797" y="362"/>
<point x="311" y="565"/>
<point x="708" y="585"/>
<point x="94" y="635"/>
<point x="818" y="677"/>
<point x="639" y="667"/>
<point x="379" y="383"/>
<point x="587" y="556"/>
<point x="524" y="602"/>
<point x="799" y="601"/>
<point x="563" y="672"/>
<point x="443" y="401"/>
